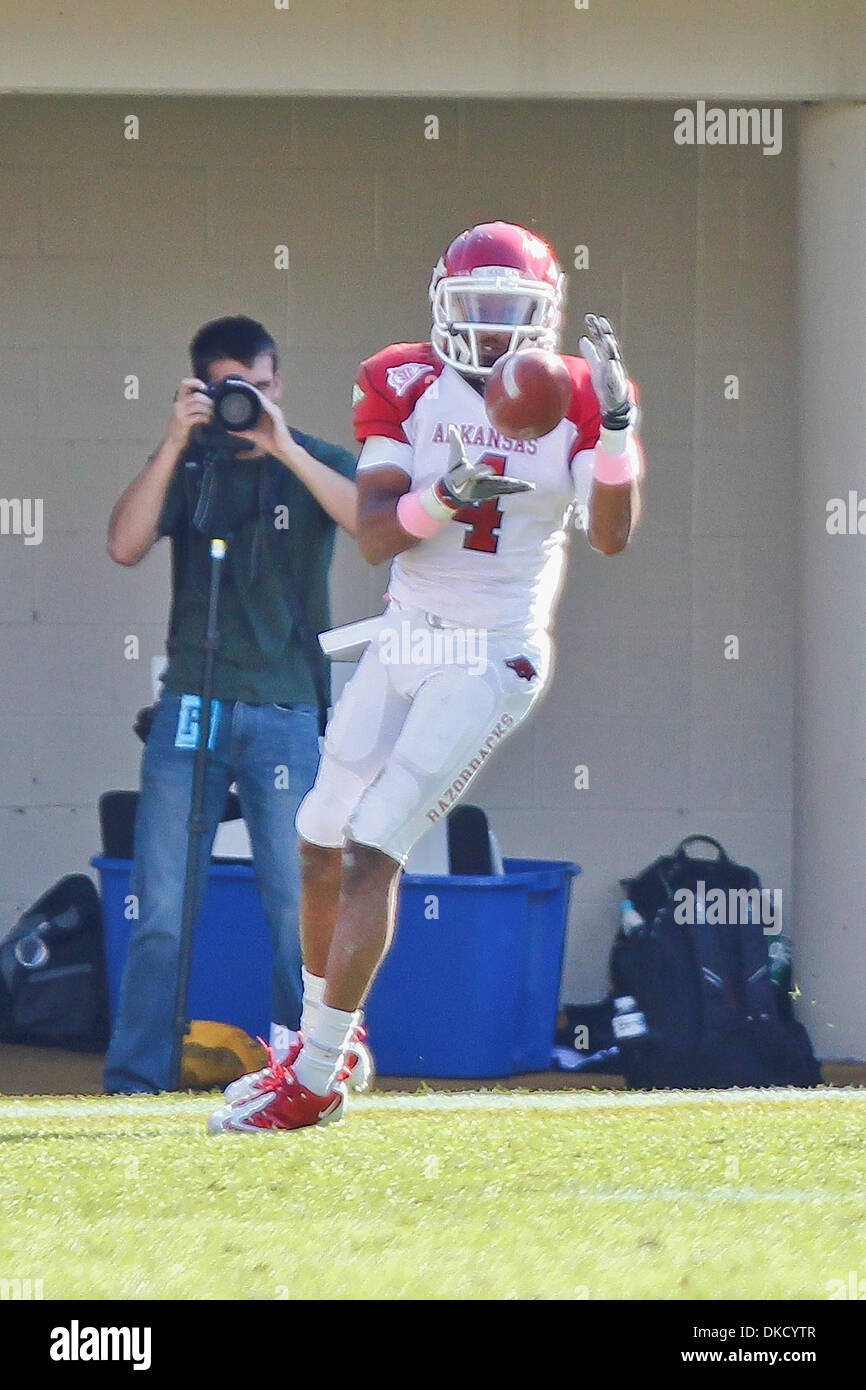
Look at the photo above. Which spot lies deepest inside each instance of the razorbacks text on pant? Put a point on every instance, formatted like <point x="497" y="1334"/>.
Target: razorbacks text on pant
<point x="449" y="796"/>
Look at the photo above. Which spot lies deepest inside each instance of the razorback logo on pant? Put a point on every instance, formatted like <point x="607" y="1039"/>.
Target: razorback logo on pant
<point x="460" y="783"/>
<point x="522" y="667"/>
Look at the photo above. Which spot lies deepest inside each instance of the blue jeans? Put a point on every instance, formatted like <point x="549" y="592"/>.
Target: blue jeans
<point x="253" y="742"/>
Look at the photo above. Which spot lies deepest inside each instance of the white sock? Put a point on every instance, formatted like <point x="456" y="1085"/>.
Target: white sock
<point x="281" y="1041"/>
<point x="314" y="991"/>
<point x="322" y="1052"/>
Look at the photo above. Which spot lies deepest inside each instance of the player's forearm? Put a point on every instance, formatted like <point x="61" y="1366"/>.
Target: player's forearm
<point x="380" y="491"/>
<point x="615" y="502"/>
<point x="614" y="511"/>
<point x="132" y="529"/>
<point x="336" y="494"/>
<point x="380" y="535"/>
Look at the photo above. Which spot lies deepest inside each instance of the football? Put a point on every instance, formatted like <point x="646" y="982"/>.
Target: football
<point x="527" y="393"/>
<point x="216" y="1053"/>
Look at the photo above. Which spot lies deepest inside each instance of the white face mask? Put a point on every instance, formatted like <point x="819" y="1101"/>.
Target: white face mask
<point x="494" y="302"/>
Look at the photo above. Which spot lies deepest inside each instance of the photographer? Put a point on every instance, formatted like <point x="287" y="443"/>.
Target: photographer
<point x="275" y="494"/>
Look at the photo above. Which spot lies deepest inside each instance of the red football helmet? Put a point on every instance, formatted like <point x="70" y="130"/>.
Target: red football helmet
<point x="497" y="289"/>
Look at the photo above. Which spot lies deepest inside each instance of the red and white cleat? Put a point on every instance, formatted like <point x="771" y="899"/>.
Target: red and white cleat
<point x="358" y="1070"/>
<point x="249" y="1084"/>
<point x="279" y="1102"/>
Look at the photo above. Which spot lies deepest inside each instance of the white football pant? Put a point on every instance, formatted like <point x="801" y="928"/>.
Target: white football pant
<point x="429" y="703"/>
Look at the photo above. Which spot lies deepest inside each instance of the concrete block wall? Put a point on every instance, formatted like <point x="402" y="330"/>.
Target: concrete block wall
<point x="113" y="251"/>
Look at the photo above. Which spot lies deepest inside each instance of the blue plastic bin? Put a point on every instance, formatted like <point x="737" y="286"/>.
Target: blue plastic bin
<point x="230" y="980"/>
<point x="469" y="989"/>
<point x="474" y="990"/>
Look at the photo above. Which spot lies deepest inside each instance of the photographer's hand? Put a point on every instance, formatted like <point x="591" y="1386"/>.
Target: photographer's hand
<point x="191" y="407"/>
<point x="271" y="433"/>
<point x="134" y="524"/>
<point x="336" y="494"/>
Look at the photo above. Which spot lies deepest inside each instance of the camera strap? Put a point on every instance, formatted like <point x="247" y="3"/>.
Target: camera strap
<point x="207" y="508"/>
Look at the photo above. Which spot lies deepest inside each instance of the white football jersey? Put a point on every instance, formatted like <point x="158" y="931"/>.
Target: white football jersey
<point x="497" y="566"/>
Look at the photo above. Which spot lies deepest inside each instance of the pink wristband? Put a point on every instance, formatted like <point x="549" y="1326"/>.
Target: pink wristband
<point x="616" y="468"/>
<point x="414" y="519"/>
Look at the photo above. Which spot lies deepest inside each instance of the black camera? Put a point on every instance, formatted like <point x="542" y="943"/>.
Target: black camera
<point x="236" y="404"/>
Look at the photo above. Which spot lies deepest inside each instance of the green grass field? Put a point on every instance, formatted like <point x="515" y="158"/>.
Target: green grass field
<point x="554" y="1195"/>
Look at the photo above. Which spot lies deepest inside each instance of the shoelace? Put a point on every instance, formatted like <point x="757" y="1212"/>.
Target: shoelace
<point x="275" y="1071"/>
<point x="280" y="1073"/>
<point x="359" y="1035"/>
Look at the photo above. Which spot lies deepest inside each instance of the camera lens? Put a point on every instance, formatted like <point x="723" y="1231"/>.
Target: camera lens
<point x="236" y="405"/>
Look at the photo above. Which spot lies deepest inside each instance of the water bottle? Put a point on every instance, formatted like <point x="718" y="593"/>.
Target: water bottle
<point x="31" y="951"/>
<point x="630" y="918"/>
<point x="628" y="1022"/>
<point x="779" y="952"/>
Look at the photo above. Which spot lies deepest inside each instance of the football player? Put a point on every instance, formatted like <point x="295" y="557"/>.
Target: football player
<point x="475" y="525"/>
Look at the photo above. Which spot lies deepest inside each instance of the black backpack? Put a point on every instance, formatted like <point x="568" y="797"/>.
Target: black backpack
<point x="53" y="987"/>
<point x="716" y="996"/>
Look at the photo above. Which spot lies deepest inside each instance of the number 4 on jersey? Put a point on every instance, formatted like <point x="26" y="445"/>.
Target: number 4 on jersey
<point x="485" y="519"/>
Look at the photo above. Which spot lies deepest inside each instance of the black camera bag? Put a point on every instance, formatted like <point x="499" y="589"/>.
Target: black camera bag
<point x="716" y="1016"/>
<point x="59" y="998"/>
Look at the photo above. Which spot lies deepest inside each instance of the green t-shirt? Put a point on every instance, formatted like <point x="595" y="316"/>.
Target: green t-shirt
<point x="278" y="530"/>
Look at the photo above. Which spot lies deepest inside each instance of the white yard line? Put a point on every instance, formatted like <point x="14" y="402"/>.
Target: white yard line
<point x="76" y="1107"/>
<point x="732" y="1192"/>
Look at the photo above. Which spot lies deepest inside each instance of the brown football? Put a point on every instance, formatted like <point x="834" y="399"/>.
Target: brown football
<point x="527" y="393"/>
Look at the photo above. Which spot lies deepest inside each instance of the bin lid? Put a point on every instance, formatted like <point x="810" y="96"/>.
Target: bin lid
<point x="539" y="873"/>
